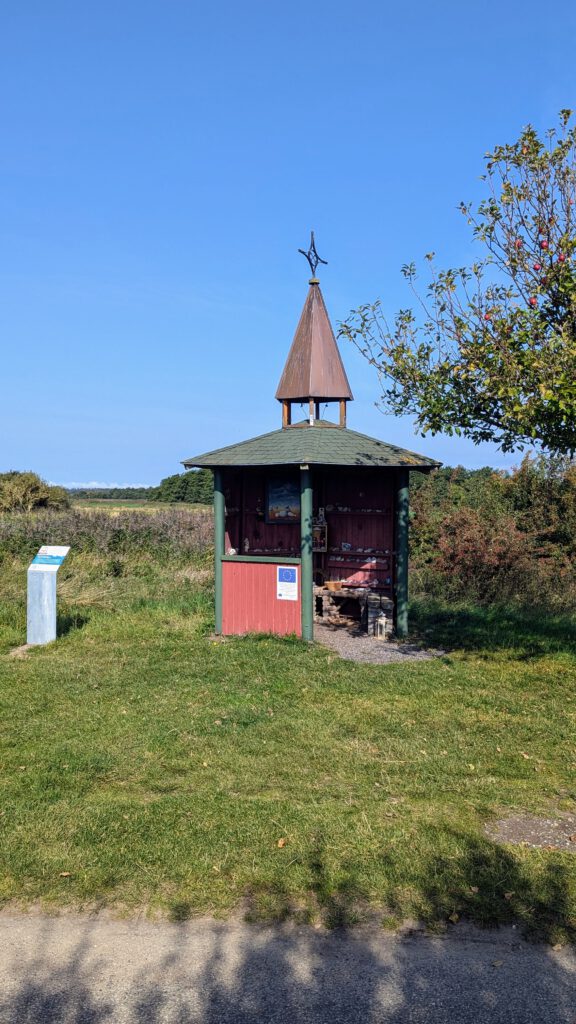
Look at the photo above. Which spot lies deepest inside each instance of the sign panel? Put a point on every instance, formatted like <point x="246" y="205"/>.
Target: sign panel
<point x="49" y="558"/>
<point x="287" y="583"/>
<point x="42" y="576"/>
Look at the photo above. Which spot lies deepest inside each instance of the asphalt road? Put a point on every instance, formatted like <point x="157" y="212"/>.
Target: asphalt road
<point x="82" y="970"/>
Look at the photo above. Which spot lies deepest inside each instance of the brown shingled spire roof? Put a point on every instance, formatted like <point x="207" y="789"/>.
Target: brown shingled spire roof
<point x="314" y="370"/>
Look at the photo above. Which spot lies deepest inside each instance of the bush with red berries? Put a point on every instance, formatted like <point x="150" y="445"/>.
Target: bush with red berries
<point x="494" y="355"/>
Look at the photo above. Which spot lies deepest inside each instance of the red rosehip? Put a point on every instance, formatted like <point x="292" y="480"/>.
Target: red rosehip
<point x="533" y="301"/>
<point x="537" y="266"/>
<point x="518" y="243"/>
<point x="487" y="316"/>
<point x="543" y="244"/>
<point x="561" y="258"/>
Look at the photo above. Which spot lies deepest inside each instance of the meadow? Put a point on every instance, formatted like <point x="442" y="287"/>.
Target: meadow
<point x="116" y="505"/>
<point x="146" y="764"/>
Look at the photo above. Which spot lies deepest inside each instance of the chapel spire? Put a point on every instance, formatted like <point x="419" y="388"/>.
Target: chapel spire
<point x="314" y="371"/>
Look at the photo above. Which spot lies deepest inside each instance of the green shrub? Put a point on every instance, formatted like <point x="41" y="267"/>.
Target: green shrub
<point x="24" y="492"/>
<point x="491" y="536"/>
<point x="192" y="486"/>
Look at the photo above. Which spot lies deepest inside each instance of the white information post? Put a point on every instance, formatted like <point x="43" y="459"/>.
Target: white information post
<point x="42" y="573"/>
<point x="286" y="583"/>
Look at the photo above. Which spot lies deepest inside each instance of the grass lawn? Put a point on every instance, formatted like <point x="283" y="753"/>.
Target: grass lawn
<point x="142" y="763"/>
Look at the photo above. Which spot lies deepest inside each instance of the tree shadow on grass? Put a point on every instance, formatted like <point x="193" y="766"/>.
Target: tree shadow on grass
<point x="339" y="904"/>
<point x="353" y="975"/>
<point x="503" y="628"/>
<point x="490" y="886"/>
<point x="71" y="970"/>
<point x="68" y="622"/>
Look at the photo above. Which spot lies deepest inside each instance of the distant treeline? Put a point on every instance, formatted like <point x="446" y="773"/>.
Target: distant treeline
<point x="113" y="493"/>
<point x="193" y="487"/>
<point x="196" y="485"/>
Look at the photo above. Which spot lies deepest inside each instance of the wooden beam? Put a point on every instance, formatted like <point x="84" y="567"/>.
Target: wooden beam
<point x="306" y="565"/>
<point x="219" y="536"/>
<point x="286" y="412"/>
<point x="401" y="506"/>
<point x="311" y="411"/>
<point x="241" y="517"/>
<point x="342" y="412"/>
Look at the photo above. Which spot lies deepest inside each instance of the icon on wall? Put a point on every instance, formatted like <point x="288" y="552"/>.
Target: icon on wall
<point x="283" y="501"/>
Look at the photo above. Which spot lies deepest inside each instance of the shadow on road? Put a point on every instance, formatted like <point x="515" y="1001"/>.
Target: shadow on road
<point x="71" y="970"/>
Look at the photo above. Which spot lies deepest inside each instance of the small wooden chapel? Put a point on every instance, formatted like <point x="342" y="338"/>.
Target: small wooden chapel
<point x="314" y="509"/>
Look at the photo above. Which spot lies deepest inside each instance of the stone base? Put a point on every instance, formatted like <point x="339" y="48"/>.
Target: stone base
<point x="331" y="605"/>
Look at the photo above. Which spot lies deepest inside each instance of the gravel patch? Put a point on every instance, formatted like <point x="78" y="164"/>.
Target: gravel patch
<point x="19" y="652"/>
<point x="539" y="833"/>
<point x="353" y="644"/>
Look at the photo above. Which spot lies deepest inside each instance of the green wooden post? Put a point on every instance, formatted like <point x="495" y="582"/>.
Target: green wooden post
<point x="402" y="509"/>
<point x="219" y="528"/>
<point x="306" y="553"/>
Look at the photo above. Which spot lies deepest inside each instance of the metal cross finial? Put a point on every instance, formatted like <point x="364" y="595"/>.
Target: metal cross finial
<point x="312" y="256"/>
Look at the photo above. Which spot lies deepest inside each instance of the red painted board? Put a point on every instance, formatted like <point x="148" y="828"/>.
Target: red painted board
<point x="249" y="602"/>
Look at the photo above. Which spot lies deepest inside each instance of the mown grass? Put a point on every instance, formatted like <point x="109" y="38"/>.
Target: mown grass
<point x="145" y="763"/>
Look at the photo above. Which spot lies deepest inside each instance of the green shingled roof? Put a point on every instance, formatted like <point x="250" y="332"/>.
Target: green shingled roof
<point x="323" y="444"/>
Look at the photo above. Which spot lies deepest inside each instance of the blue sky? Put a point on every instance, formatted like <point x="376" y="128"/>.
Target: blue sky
<point x="160" y="165"/>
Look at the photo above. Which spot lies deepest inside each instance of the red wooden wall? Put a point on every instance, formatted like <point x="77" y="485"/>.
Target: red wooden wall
<point x="249" y="602"/>
<point x="358" y="505"/>
<point x="245" y="494"/>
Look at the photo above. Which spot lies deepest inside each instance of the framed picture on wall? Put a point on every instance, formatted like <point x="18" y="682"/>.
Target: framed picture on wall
<point x="283" y="500"/>
<point x="319" y="537"/>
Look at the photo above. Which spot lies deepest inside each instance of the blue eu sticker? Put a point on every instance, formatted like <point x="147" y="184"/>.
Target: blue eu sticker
<point x="286" y="583"/>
